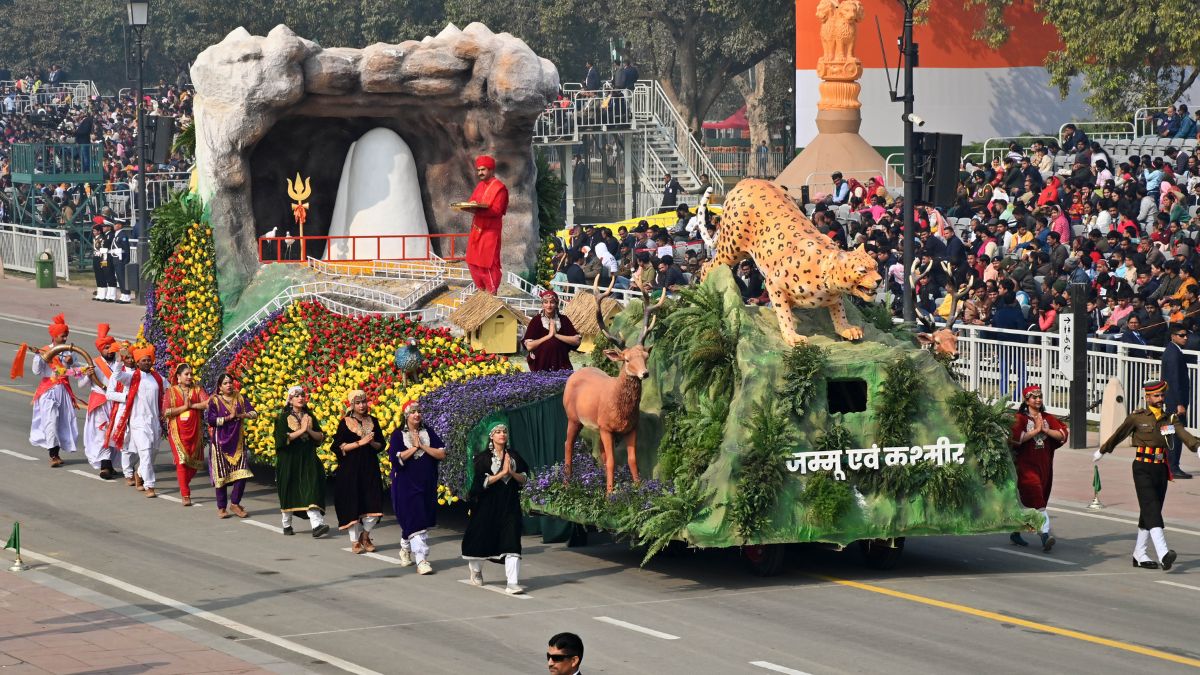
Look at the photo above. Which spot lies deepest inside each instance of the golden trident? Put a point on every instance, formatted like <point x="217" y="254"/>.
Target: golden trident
<point x="299" y="191"/>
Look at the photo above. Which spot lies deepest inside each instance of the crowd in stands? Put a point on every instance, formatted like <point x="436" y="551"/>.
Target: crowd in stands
<point x="1020" y="230"/>
<point x="648" y="257"/>
<point x="59" y="117"/>
<point x="1025" y="226"/>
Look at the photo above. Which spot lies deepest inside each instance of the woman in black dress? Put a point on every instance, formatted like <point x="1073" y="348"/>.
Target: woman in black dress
<point x="358" y="487"/>
<point x="494" y="527"/>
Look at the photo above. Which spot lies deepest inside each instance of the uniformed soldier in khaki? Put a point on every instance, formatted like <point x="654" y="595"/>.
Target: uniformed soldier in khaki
<point x="1152" y="428"/>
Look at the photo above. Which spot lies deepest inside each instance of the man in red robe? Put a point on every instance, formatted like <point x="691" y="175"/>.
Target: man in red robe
<point x="489" y="204"/>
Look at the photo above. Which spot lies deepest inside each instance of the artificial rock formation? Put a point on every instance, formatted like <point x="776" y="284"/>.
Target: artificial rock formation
<point x="269" y="107"/>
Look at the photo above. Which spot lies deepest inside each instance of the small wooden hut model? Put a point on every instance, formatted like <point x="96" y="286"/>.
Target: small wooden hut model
<point x="490" y="324"/>
<point x="581" y="310"/>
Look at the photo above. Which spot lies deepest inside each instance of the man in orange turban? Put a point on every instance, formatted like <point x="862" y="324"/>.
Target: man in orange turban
<point x="489" y="202"/>
<point x="95" y="424"/>
<point x="54" y="403"/>
<point x="138" y="426"/>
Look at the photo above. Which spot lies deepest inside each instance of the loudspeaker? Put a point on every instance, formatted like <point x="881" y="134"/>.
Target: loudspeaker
<point x="938" y="159"/>
<point x="160" y="134"/>
<point x="804" y="195"/>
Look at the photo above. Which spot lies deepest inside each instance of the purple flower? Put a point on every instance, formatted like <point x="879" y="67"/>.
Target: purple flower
<point x="455" y="408"/>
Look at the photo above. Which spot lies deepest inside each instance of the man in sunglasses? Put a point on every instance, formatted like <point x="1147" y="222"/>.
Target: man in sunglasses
<point x="1179" y="391"/>
<point x="1153" y="429"/>
<point x="564" y="654"/>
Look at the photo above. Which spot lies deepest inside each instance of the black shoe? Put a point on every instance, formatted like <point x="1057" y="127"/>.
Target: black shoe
<point x="1168" y="560"/>
<point x="1180" y="474"/>
<point x="1146" y="564"/>
<point x="287" y="531"/>
<point x="1016" y="539"/>
<point x="320" y="531"/>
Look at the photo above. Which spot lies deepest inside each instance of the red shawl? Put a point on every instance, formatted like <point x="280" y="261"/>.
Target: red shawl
<point x="116" y="433"/>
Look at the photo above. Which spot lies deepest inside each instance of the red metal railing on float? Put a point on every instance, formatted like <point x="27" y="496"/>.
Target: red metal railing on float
<point x="364" y="247"/>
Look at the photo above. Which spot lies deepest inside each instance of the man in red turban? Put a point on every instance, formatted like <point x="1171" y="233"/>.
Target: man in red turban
<point x="489" y="202"/>
<point x="53" y="426"/>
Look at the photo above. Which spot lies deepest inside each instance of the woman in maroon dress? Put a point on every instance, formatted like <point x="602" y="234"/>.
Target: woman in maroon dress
<point x="1036" y="434"/>
<point x="550" y="337"/>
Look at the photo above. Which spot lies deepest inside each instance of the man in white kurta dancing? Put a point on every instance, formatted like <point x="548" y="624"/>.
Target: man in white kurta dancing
<point x="137" y="428"/>
<point x="95" y="426"/>
<point x="54" y="427"/>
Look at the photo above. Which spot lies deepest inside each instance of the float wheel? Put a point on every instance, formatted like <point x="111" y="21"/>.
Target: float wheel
<point x="882" y="554"/>
<point x="765" y="560"/>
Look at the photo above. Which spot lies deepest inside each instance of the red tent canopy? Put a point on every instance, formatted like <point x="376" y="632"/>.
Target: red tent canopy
<point x="735" y="121"/>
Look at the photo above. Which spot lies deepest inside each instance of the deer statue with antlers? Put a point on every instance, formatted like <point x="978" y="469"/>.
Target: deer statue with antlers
<point x="596" y="400"/>
<point x="942" y="341"/>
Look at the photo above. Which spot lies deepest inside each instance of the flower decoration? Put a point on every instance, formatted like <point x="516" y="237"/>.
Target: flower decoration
<point x="183" y="313"/>
<point x="454" y="409"/>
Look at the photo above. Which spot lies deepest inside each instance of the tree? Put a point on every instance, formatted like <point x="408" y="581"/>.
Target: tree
<point x="1129" y="54"/>
<point x="697" y="47"/>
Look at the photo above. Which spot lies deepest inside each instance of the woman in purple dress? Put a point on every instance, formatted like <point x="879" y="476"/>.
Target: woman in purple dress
<point x="415" y="451"/>
<point x="228" y="462"/>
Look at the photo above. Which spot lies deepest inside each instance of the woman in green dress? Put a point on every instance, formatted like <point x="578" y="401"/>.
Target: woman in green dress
<point x="299" y="473"/>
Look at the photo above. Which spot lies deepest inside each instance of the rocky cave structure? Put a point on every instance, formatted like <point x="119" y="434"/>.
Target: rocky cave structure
<point x="267" y="108"/>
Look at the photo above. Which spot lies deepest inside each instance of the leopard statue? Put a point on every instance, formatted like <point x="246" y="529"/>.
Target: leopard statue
<point x="801" y="267"/>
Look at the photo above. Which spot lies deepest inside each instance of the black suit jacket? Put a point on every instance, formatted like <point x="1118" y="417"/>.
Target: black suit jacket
<point x="1174" y="372"/>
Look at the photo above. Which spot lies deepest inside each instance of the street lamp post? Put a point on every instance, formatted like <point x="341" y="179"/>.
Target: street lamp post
<point x="909" y="49"/>
<point x="137" y="17"/>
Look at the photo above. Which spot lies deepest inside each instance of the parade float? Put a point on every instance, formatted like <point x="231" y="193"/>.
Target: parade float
<point x="759" y="427"/>
<point x="308" y="155"/>
<point x="750" y="427"/>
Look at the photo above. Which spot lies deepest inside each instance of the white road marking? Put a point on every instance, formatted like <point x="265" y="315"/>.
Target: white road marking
<point x="767" y="665"/>
<point x="205" y="615"/>
<point x="636" y="628"/>
<point x="42" y="324"/>
<point x="177" y="500"/>
<point x="497" y="589"/>
<point x="377" y="556"/>
<point x="1179" y="585"/>
<point x="18" y="455"/>
<point x="1127" y="521"/>
<point x="259" y="523"/>
<point x="1043" y="558"/>
<point x="85" y="474"/>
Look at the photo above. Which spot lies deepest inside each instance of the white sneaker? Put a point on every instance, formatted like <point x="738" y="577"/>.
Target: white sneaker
<point x="476" y="578"/>
<point x="406" y="559"/>
<point x="514" y="590"/>
<point x="424" y="567"/>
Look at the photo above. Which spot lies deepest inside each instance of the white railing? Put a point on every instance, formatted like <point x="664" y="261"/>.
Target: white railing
<point x="659" y="109"/>
<point x="566" y="291"/>
<point x="532" y="289"/>
<point x="324" y="292"/>
<point x="743" y="162"/>
<point x="998" y="363"/>
<point x="421" y="292"/>
<point x="1109" y="130"/>
<point x="20" y="247"/>
<point x="864" y="174"/>
<point x="1143" y="126"/>
<point x="997" y="148"/>
<point x="434" y="268"/>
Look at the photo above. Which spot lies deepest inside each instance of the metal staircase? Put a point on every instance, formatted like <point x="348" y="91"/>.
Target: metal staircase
<point x="643" y="120"/>
<point x="667" y="144"/>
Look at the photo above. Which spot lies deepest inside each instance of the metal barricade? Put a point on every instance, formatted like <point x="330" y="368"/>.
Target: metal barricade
<point x="20" y="246"/>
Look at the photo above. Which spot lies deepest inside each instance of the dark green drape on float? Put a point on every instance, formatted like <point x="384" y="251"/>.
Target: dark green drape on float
<point x="536" y="431"/>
